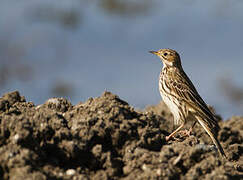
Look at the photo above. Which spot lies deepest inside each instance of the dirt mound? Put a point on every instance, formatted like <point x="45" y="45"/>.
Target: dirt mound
<point x="105" y="138"/>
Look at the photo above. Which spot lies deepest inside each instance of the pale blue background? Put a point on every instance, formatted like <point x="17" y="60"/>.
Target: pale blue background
<point x="105" y="47"/>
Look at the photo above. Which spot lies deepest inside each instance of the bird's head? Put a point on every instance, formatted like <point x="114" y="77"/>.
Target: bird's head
<point x="169" y="57"/>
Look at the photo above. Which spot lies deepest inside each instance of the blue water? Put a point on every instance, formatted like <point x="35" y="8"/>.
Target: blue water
<point x="107" y="48"/>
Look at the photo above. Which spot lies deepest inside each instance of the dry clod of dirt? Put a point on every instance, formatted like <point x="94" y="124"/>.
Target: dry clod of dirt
<point x="105" y="138"/>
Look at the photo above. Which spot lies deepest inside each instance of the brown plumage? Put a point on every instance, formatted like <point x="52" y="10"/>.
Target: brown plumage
<point x="182" y="98"/>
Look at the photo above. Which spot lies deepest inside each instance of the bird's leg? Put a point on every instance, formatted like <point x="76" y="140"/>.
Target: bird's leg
<point x="188" y="132"/>
<point x="167" y="138"/>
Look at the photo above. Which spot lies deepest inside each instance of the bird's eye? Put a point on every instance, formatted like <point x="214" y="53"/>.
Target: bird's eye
<point x="165" y="54"/>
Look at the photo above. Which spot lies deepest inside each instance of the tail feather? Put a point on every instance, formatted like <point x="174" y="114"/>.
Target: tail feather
<point x="212" y="135"/>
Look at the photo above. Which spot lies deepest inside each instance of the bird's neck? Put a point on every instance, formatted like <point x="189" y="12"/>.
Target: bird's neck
<point x="171" y="68"/>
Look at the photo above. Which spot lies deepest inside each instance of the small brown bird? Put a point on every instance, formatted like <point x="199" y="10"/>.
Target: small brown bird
<point x="182" y="98"/>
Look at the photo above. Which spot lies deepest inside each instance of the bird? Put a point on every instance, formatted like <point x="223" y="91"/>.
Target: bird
<point x="182" y="98"/>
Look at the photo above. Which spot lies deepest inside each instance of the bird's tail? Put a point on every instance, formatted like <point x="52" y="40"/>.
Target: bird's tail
<point x="212" y="135"/>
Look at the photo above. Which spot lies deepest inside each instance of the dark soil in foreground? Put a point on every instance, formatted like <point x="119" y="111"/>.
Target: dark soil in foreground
<point x="105" y="138"/>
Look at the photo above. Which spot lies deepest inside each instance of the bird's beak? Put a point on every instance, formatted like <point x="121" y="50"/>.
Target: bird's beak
<point x="154" y="52"/>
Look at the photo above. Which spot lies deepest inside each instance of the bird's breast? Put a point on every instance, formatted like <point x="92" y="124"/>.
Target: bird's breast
<point x="171" y="102"/>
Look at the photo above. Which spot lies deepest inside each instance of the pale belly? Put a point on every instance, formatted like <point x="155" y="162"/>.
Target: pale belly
<point x="173" y="107"/>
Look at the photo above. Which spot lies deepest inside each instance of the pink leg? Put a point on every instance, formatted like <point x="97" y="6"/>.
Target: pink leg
<point x="188" y="132"/>
<point x="167" y="138"/>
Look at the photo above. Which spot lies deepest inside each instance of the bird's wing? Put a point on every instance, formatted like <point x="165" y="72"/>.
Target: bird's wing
<point x="182" y="86"/>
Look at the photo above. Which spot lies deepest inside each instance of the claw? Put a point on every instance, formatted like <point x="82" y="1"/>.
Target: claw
<point x="186" y="133"/>
<point x="167" y="138"/>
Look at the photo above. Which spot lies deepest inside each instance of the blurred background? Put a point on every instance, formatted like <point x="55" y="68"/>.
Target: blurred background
<point x="79" y="48"/>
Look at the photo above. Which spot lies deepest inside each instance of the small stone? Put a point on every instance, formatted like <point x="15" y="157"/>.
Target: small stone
<point x="70" y="172"/>
<point x="145" y="167"/>
<point x="159" y="172"/>
<point x="16" y="137"/>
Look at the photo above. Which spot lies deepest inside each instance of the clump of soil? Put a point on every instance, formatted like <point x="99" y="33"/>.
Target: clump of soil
<point x="105" y="138"/>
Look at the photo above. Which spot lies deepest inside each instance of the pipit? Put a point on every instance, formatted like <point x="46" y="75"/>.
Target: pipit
<point x="182" y="98"/>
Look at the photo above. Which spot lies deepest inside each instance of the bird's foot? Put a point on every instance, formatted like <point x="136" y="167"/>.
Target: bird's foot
<point x="167" y="138"/>
<point x="186" y="133"/>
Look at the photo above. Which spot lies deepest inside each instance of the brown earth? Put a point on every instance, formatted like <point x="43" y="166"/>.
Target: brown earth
<point x="105" y="138"/>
